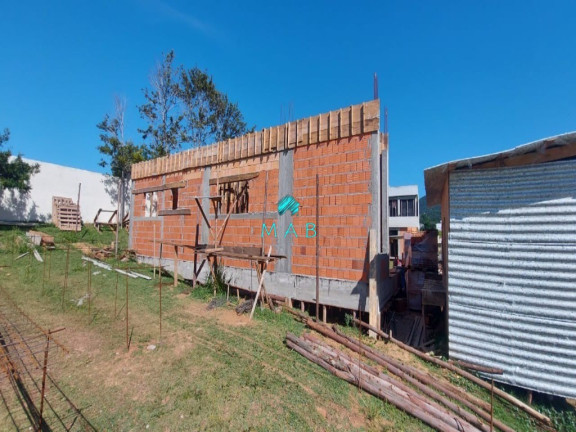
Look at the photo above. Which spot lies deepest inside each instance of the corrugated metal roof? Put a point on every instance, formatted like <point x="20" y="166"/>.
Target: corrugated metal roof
<point x="512" y="273"/>
<point x="434" y="177"/>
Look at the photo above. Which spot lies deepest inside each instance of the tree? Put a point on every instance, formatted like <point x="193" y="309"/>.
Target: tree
<point x="118" y="154"/>
<point x="429" y="216"/>
<point x="184" y="106"/>
<point x="161" y="110"/>
<point x="208" y="113"/>
<point x="15" y="174"/>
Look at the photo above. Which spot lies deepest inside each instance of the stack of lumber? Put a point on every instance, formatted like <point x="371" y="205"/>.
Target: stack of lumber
<point x="437" y="402"/>
<point x="65" y="214"/>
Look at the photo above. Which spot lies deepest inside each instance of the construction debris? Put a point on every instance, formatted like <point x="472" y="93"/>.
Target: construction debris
<point x="216" y="302"/>
<point x="108" y="267"/>
<point x="37" y="255"/>
<point x="22" y="256"/>
<point x="544" y="420"/>
<point x="244" y="307"/>
<point x="427" y="399"/>
<point x="40" y="239"/>
<point x="381" y="385"/>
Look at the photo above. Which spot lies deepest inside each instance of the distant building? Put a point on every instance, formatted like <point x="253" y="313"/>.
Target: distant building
<point x="97" y="191"/>
<point x="403" y="216"/>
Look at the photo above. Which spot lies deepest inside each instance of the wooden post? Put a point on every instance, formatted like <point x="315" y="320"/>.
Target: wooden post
<point x="195" y="269"/>
<point x="260" y="285"/>
<point x="175" y="266"/>
<point x="374" y="303"/>
<point x="154" y="254"/>
<point x="160" y="260"/>
<point x="264" y="210"/>
<point x="89" y="290"/>
<point x="127" y="337"/>
<point x="44" y="270"/>
<point x="160" y="310"/>
<point x="116" y="297"/>
<point x="491" y="404"/>
<point x="324" y="313"/>
<point x="317" y="250"/>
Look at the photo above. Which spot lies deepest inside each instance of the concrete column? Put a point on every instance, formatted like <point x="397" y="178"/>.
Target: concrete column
<point x="285" y="187"/>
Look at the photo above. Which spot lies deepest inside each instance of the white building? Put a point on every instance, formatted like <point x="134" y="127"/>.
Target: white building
<point x="403" y="216"/>
<point x="97" y="191"/>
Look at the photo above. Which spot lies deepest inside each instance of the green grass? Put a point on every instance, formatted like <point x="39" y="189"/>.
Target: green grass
<point x="88" y="234"/>
<point x="207" y="372"/>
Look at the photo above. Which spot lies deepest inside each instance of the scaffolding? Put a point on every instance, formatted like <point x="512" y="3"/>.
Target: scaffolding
<point x="213" y="252"/>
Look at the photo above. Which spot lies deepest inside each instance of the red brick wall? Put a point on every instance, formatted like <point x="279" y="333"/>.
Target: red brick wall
<point x="344" y="173"/>
<point x="343" y="168"/>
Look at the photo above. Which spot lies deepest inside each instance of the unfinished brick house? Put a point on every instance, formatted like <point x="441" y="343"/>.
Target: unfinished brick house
<point x="311" y="189"/>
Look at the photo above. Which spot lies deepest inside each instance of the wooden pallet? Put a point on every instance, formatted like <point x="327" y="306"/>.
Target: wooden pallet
<point x="65" y="214"/>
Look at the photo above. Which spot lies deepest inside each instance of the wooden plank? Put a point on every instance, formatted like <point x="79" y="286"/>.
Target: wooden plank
<point x="547" y="155"/>
<point x="202" y="212"/>
<point x="247" y="256"/>
<point x="174" y="185"/>
<point x="374" y="301"/>
<point x="234" y="178"/>
<point x="351" y="121"/>
<point x="260" y="285"/>
<point x="176" y="259"/>
<point x="362" y="119"/>
<point x="175" y="212"/>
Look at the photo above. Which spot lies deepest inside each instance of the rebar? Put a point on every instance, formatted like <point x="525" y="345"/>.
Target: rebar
<point x="89" y="290"/>
<point x="28" y="393"/>
<point x="66" y="275"/>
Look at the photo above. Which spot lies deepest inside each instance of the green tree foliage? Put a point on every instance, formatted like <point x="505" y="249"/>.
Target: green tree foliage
<point x="185" y="107"/>
<point x="15" y="174"/>
<point x="209" y="115"/>
<point x="160" y="111"/>
<point x="429" y="216"/>
<point x="117" y="154"/>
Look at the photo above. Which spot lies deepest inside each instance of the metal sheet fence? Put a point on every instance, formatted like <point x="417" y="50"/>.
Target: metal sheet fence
<point x="512" y="273"/>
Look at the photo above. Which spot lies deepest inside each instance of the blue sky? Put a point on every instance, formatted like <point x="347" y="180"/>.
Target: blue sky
<point x="459" y="78"/>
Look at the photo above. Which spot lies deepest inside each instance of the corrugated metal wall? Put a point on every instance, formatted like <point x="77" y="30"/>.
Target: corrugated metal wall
<point x="512" y="273"/>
